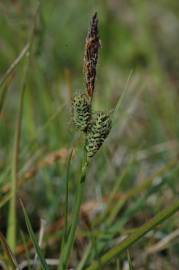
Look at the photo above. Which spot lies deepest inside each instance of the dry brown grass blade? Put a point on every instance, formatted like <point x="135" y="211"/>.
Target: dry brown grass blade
<point x="162" y="244"/>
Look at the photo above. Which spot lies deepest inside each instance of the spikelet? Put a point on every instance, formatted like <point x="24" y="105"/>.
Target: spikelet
<point x="97" y="132"/>
<point x="81" y="111"/>
<point x="92" y="45"/>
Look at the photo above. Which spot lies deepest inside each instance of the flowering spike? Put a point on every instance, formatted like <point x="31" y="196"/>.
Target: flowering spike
<point x="97" y="132"/>
<point x="92" y="45"/>
<point x="81" y="111"/>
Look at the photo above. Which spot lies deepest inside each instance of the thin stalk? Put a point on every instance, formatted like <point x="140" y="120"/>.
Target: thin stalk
<point x="80" y="188"/>
<point x="113" y="252"/>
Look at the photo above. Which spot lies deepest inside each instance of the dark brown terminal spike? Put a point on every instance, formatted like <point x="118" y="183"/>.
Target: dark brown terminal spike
<point x="92" y="45"/>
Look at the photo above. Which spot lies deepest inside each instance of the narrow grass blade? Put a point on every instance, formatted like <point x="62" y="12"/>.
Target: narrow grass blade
<point x="117" y="264"/>
<point x="26" y="250"/>
<point x="11" y="258"/>
<point x="85" y="257"/>
<point x="7" y="77"/>
<point x="120" y="100"/>
<point x="66" y="195"/>
<point x="34" y="240"/>
<point x="139" y="233"/>
<point x="11" y="230"/>
<point x="65" y="232"/>
<point x="41" y="235"/>
<point x="129" y="261"/>
<point x="14" y="64"/>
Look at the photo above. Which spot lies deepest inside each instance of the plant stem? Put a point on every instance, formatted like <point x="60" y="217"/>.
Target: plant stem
<point x="159" y="218"/>
<point x="65" y="253"/>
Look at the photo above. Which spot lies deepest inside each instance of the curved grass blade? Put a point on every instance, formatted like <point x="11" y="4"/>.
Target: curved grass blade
<point x="34" y="240"/>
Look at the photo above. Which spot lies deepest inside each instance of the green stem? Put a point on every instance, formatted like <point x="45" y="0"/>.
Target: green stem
<point x="67" y="248"/>
<point x="159" y="218"/>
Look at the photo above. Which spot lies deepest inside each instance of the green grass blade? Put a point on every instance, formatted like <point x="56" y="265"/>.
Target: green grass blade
<point x="13" y="66"/>
<point x="34" y="240"/>
<point x="121" y="98"/>
<point x="26" y="250"/>
<point x="11" y="231"/>
<point x="2" y="98"/>
<point x="117" y="264"/>
<point x="5" y="81"/>
<point x="130" y="261"/>
<point x="66" y="195"/>
<point x="139" y="233"/>
<point x="85" y="257"/>
<point x="65" y="232"/>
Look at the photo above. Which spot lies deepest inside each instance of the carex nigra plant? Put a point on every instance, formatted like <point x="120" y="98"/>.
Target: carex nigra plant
<point x="95" y="126"/>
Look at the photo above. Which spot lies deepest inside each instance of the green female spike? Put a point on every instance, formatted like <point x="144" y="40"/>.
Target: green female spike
<point x="97" y="133"/>
<point x="81" y="111"/>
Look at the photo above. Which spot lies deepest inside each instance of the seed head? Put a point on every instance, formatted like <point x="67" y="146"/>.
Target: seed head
<point x="81" y="111"/>
<point x="97" y="132"/>
<point x="92" y="45"/>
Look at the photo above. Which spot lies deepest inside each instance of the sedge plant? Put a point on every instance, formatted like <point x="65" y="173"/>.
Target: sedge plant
<point x="95" y="126"/>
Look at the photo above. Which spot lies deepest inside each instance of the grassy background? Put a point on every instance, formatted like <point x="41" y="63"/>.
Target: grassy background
<point x="138" y="38"/>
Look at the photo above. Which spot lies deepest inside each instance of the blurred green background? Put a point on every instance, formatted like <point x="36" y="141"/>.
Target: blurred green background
<point x="140" y="58"/>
